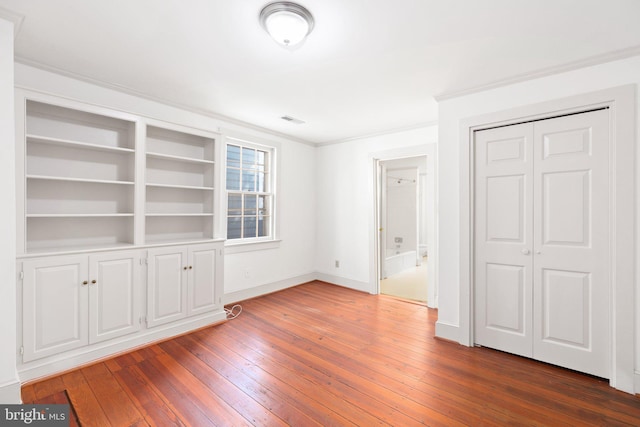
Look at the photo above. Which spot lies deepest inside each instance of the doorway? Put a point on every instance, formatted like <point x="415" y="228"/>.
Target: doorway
<point x="403" y="216"/>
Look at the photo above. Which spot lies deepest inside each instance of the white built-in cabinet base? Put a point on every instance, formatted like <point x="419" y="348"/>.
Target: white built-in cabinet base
<point x="117" y="224"/>
<point x="78" y="308"/>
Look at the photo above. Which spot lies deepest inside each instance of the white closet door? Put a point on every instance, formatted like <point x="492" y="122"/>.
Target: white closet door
<point x="503" y="223"/>
<point x="571" y="264"/>
<point x="541" y="241"/>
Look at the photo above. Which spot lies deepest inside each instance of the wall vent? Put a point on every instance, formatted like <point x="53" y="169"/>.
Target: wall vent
<point x="292" y="120"/>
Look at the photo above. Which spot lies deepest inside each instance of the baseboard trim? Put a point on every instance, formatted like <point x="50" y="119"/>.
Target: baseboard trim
<point x="447" y="331"/>
<point x="344" y="282"/>
<point x="10" y="392"/>
<point x="268" y="288"/>
<point x="636" y="383"/>
<point x="56" y="364"/>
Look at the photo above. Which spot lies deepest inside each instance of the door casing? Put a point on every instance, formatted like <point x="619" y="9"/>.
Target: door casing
<point x="621" y="104"/>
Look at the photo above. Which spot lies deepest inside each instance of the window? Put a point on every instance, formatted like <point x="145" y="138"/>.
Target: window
<point x="249" y="191"/>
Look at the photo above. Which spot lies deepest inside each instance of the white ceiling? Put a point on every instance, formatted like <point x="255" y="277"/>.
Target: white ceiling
<point x="369" y="66"/>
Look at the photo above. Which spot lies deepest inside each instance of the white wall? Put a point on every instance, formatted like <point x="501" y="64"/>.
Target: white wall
<point x="426" y="197"/>
<point x="249" y="274"/>
<point x="346" y="202"/>
<point x="402" y="209"/>
<point x="9" y="385"/>
<point x="451" y="111"/>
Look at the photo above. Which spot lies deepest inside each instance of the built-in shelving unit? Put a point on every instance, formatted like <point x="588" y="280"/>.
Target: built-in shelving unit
<point x="179" y="204"/>
<point x="96" y="178"/>
<point x="79" y="179"/>
<point x="115" y="232"/>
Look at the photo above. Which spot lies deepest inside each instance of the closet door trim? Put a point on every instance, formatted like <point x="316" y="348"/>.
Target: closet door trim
<point x="620" y="102"/>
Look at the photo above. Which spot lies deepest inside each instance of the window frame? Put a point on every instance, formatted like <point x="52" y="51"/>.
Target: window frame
<point x="270" y="179"/>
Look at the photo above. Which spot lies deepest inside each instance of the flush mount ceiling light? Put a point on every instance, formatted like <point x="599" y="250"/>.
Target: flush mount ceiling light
<point x="286" y="22"/>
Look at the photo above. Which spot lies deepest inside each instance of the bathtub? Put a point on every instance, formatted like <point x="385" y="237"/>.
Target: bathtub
<point x="395" y="262"/>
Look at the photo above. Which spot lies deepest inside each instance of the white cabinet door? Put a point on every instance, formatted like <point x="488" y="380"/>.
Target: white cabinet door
<point x="113" y="295"/>
<point x="202" y="279"/>
<point x="183" y="281"/>
<point x="55" y="314"/>
<point x="167" y="285"/>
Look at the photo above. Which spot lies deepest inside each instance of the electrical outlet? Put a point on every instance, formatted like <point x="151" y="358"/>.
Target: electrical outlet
<point x="337" y="264"/>
<point x="246" y="274"/>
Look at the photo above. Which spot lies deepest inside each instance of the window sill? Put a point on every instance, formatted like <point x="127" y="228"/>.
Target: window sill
<point x="231" y="247"/>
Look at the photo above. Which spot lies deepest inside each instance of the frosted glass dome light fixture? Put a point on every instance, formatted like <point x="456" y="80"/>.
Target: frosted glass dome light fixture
<point x="286" y="22"/>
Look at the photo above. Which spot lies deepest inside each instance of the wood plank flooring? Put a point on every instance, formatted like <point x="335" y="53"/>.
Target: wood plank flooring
<point x="322" y="355"/>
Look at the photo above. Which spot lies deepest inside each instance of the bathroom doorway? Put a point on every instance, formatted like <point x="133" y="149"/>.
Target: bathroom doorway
<point x="403" y="204"/>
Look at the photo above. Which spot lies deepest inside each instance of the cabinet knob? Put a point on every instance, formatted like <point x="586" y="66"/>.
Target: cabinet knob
<point x="190" y="267"/>
<point x="185" y="268"/>
<point x="85" y="283"/>
<point x="525" y="251"/>
<point x="93" y="282"/>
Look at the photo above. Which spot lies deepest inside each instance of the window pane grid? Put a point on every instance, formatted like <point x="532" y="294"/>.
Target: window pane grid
<point x="248" y="189"/>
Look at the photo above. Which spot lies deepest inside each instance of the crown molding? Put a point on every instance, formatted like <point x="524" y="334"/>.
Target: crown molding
<point x="544" y="72"/>
<point x="133" y="92"/>
<point x="228" y="120"/>
<point x="14" y="17"/>
<point x="380" y="133"/>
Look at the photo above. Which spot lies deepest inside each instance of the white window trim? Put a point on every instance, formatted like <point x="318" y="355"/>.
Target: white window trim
<point x="255" y="243"/>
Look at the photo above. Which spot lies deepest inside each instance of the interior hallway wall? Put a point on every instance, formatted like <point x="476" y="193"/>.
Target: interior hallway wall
<point x="346" y="202"/>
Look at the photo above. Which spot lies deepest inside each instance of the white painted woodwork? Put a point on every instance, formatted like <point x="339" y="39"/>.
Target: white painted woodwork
<point x="203" y="276"/>
<point x="72" y="198"/>
<point x="79" y="179"/>
<point x="102" y="179"/>
<point x="504" y="200"/>
<point x="72" y="301"/>
<point x="180" y="181"/>
<point x="55" y="311"/>
<point x="99" y="180"/>
<point x="572" y="291"/>
<point x="166" y="285"/>
<point x="183" y="281"/>
<point x="114" y="295"/>
<point x="541" y="245"/>
<point x="77" y="233"/>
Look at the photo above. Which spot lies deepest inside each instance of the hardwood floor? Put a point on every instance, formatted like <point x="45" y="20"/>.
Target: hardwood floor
<point x="322" y="355"/>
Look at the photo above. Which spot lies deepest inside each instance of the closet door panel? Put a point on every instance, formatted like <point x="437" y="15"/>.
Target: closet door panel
<point x="566" y="209"/>
<point x="503" y="237"/>
<point x="571" y="219"/>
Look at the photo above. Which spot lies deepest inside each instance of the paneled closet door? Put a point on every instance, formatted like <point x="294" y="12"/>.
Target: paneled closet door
<point x="541" y="241"/>
<point x="571" y="264"/>
<point x="503" y="241"/>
